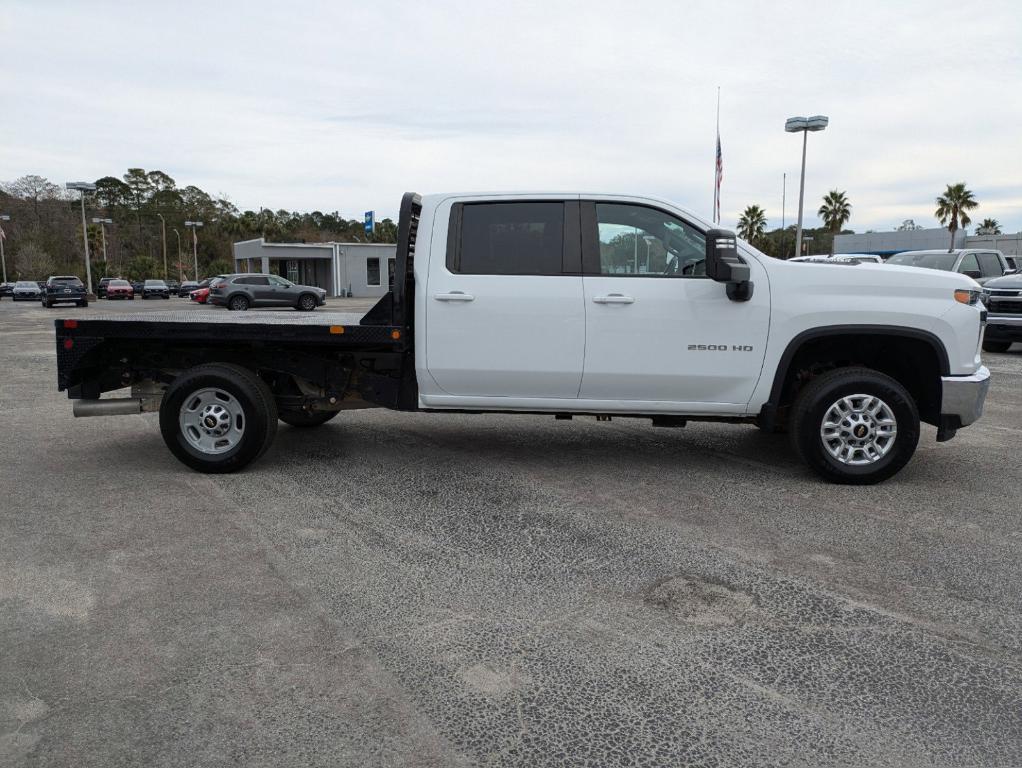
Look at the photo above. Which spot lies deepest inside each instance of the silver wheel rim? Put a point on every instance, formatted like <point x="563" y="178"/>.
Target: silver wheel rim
<point x="212" y="421"/>
<point x="239" y="304"/>
<point x="858" y="430"/>
<point x="307" y="302"/>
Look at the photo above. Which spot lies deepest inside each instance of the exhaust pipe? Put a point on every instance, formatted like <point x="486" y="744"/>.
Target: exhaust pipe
<point x="120" y="406"/>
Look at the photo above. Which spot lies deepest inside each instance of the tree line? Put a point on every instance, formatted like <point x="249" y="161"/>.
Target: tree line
<point x="148" y="211"/>
<point x="953" y="207"/>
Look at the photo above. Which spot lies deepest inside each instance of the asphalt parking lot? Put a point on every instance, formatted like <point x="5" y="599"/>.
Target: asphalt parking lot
<point x="492" y="590"/>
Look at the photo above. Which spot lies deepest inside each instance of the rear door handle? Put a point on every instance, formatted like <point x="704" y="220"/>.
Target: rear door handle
<point x="613" y="298"/>
<point x="454" y="296"/>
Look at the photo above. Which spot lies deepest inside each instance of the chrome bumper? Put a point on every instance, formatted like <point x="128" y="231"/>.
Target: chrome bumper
<point x="963" y="396"/>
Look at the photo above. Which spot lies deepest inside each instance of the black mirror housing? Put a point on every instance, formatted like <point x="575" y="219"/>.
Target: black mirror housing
<point x="724" y="265"/>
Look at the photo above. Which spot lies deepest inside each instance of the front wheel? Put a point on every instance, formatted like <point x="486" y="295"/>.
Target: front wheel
<point x="218" y="418"/>
<point x="854" y="426"/>
<point x="306" y="419"/>
<point x="996" y="346"/>
<point x="306" y="302"/>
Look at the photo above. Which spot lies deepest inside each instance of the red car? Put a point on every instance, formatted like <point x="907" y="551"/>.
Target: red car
<point x="200" y="295"/>
<point x="119" y="289"/>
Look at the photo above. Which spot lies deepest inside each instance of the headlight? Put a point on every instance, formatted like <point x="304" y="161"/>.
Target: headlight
<point x="967" y="295"/>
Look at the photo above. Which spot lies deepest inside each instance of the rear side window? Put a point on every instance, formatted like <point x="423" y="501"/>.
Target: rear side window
<point x="252" y="281"/>
<point x="989" y="265"/>
<point x="507" y="238"/>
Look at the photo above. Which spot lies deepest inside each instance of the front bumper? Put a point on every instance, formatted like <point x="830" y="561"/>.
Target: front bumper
<point x="1003" y="328"/>
<point x="962" y="398"/>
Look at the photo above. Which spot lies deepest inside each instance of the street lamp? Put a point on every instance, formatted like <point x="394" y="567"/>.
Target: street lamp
<point x="803" y="125"/>
<point x="163" y="229"/>
<point x="102" y="228"/>
<point x="178" y="236"/>
<point x="195" y="244"/>
<point x="83" y="187"/>
<point x="3" y="236"/>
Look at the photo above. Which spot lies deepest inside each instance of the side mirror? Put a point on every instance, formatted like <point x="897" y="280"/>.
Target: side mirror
<point x="975" y="274"/>
<point x="724" y="265"/>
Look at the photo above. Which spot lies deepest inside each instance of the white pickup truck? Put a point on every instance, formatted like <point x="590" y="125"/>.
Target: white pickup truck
<point x="566" y="304"/>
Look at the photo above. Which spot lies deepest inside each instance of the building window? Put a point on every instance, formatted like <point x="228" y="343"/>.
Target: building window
<point x="292" y="270"/>
<point x="372" y="271"/>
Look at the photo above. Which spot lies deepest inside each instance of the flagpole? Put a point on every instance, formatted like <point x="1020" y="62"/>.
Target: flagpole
<point x="716" y="192"/>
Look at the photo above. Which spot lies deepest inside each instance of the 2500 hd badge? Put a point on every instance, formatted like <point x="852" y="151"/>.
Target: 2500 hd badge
<point x="719" y="348"/>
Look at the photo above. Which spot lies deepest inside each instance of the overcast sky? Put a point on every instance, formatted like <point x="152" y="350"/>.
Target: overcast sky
<point x="339" y="105"/>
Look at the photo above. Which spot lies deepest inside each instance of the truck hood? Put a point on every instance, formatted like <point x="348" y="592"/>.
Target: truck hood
<point x="1008" y="281"/>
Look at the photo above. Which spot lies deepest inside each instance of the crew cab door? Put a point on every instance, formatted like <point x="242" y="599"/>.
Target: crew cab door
<point x="503" y="301"/>
<point x="658" y="330"/>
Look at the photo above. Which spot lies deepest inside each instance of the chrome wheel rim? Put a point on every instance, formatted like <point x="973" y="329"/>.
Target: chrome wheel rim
<point x="307" y="302"/>
<point x="858" y="430"/>
<point x="239" y="304"/>
<point x="212" y="421"/>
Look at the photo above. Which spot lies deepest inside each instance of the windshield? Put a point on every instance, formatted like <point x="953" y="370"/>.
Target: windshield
<point x="156" y="283"/>
<point x="945" y="261"/>
<point x="120" y="283"/>
<point x="25" y="284"/>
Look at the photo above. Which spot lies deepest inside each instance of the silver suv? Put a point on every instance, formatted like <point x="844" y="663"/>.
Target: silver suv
<point x="247" y="290"/>
<point x="979" y="264"/>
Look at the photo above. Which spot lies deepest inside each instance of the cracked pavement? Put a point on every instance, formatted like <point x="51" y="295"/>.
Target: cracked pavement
<point x="434" y="590"/>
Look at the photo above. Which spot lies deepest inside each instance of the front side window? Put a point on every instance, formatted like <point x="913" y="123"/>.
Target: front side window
<point x="969" y="263"/>
<point x="509" y="239"/>
<point x="645" y="242"/>
<point x="280" y="282"/>
<point x="372" y="271"/>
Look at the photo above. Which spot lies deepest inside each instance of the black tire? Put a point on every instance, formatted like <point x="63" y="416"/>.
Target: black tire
<point x="47" y="305"/>
<point x="306" y="302"/>
<point x="259" y="411"/>
<point x="816" y="398"/>
<point x="238" y="303"/>
<point x="996" y="346"/>
<point x="84" y="303"/>
<point x="305" y="419"/>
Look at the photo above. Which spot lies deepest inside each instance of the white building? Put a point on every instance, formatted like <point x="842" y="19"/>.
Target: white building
<point x="364" y="270"/>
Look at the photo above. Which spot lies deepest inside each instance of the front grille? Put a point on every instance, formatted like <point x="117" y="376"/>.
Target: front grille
<point x="1003" y="307"/>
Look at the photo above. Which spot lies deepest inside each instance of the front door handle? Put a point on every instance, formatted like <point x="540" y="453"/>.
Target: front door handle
<point x="613" y="298"/>
<point x="454" y="296"/>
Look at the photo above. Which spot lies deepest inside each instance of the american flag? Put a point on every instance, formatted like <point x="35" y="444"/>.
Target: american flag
<point x="716" y="186"/>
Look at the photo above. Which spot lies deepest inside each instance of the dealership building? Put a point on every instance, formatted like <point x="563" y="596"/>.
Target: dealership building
<point x="889" y="243"/>
<point x="364" y="270"/>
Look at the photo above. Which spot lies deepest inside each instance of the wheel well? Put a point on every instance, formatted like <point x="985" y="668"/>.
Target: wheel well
<point x="916" y="360"/>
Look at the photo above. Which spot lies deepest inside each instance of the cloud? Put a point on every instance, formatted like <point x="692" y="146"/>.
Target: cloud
<point x="343" y="106"/>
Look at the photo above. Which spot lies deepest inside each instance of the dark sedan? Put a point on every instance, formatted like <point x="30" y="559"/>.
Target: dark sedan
<point x="6" y="289"/>
<point x="186" y="288"/>
<point x="155" y="289"/>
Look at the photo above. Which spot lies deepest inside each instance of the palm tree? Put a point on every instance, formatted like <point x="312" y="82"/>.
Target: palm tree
<point x="752" y="224"/>
<point x="952" y="208"/>
<point x="835" y="211"/>
<point x="988" y="227"/>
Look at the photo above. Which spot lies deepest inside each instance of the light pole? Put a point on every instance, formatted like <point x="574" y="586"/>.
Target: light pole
<point x="803" y="125"/>
<point x="163" y="230"/>
<point x="3" y="236"/>
<point x="178" y="236"/>
<point x="195" y="244"/>
<point x="649" y="241"/>
<point x="83" y="187"/>
<point x="102" y="228"/>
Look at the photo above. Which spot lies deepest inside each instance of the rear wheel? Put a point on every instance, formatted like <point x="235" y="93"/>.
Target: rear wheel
<point x="854" y="426"/>
<point x="996" y="346"/>
<point x="84" y="303"/>
<point x="218" y="418"/>
<point x="306" y="302"/>
<point x="306" y="419"/>
<point x="238" y="303"/>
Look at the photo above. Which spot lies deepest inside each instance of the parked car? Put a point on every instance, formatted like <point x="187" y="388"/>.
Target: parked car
<point x="101" y="286"/>
<point x="1004" y="313"/>
<point x="200" y="295"/>
<point x="26" y="290"/>
<point x="1013" y="263"/>
<point x="137" y="286"/>
<point x="243" y="291"/>
<point x="173" y="286"/>
<point x="6" y="289"/>
<point x="185" y="289"/>
<point x="119" y="289"/>
<point x="155" y="289"/>
<point x="980" y="265"/>
<point x="65" y="289"/>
